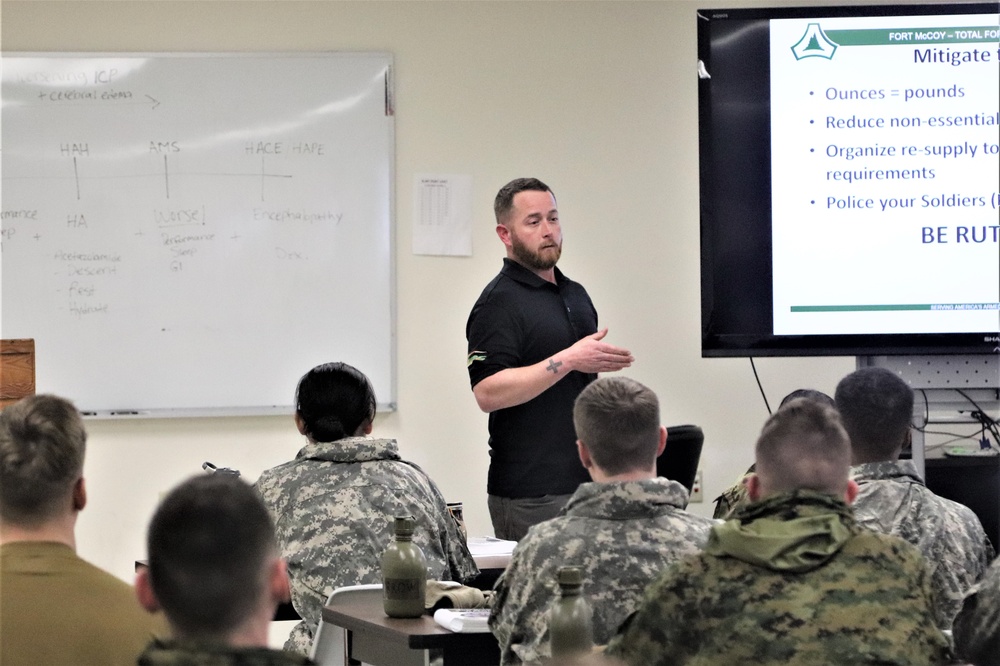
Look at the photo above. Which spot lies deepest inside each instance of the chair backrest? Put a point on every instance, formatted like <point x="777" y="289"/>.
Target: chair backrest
<point x="679" y="460"/>
<point x="329" y="646"/>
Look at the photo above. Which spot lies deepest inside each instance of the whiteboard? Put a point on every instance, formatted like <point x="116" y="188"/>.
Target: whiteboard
<point x="188" y="234"/>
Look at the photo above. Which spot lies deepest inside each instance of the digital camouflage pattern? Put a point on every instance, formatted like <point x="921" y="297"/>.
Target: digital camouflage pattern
<point x="774" y="587"/>
<point x="733" y="498"/>
<point x="894" y="500"/>
<point x="177" y="653"/>
<point x="333" y="508"/>
<point x="621" y="534"/>
<point x="977" y="626"/>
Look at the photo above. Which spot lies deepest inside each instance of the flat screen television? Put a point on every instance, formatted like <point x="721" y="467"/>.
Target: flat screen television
<point x="850" y="180"/>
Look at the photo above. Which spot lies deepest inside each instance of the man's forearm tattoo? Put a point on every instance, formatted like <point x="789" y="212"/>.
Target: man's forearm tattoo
<point x="553" y="366"/>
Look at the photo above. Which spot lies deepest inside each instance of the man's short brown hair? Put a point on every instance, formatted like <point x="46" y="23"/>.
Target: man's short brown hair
<point x="504" y="201"/>
<point x="42" y="444"/>
<point x="619" y="420"/>
<point x="804" y="446"/>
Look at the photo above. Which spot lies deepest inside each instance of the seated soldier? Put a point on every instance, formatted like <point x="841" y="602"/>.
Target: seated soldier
<point x="215" y="572"/>
<point x="735" y="496"/>
<point x="621" y="530"/>
<point x="791" y="578"/>
<point x="333" y="505"/>
<point x="876" y="406"/>
<point x="56" y="608"/>
<point x="977" y="626"/>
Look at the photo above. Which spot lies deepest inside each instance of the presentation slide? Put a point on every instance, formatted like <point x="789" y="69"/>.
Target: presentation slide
<point x="885" y="174"/>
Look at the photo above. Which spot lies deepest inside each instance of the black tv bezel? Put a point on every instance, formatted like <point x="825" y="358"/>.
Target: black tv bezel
<point x="755" y="282"/>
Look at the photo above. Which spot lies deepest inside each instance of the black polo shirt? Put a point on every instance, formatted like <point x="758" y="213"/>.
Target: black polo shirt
<point x="519" y="320"/>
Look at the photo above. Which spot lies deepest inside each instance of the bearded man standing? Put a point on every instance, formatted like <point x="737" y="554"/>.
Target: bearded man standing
<point x="534" y="346"/>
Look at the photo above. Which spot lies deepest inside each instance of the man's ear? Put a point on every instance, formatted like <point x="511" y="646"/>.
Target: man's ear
<point x="504" y="233"/>
<point x="584" y="454"/>
<point x="851" y="493"/>
<point x="663" y="441"/>
<point x="754" y="491"/>
<point x="278" y="585"/>
<point x="79" y="494"/>
<point x="144" y="591"/>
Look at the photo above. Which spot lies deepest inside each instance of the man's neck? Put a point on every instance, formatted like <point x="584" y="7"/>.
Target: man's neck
<point x="598" y="475"/>
<point x="253" y="633"/>
<point x="864" y="460"/>
<point x="54" y="531"/>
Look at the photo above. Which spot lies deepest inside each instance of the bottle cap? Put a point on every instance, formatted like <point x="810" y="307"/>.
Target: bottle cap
<point x="403" y="525"/>
<point x="570" y="576"/>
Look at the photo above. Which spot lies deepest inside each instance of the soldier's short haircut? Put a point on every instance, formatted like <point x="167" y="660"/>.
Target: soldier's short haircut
<point x="42" y="445"/>
<point x="808" y="394"/>
<point x="504" y="201"/>
<point x="876" y="406"/>
<point x="210" y="544"/>
<point x="619" y="420"/>
<point x="803" y="446"/>
<point x="333" y="401"/>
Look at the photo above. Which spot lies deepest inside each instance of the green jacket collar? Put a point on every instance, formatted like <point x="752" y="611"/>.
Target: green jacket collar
<point x="794" y="532"/>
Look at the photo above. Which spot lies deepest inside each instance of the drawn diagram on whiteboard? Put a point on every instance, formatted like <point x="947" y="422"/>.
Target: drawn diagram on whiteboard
<point x="192" y="210"/>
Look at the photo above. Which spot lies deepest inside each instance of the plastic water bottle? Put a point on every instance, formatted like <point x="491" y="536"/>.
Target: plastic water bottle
<point x="571" y="620"/>
<point x="404" y="573"/>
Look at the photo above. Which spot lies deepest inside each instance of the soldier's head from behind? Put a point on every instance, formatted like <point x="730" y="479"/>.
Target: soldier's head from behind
<point x="876" y="406"/>
<point x="803" y="446"/>
<point x="333" y="401"/>
<point x="808" y="394"/>
<point x="214" y="565"/>
<point x="618" y="429"/>
<point x="42" y="445"/>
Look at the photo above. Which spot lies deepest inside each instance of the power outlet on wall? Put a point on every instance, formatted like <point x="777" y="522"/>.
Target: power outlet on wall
<point x="696" y="494"/>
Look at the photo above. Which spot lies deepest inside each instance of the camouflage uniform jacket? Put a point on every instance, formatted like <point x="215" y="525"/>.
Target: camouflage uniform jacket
<point x="622" y="534"/>
<point x="790" y="580"/>
<point x="977" y="626"/>
<point x="733" y="498"/>
<point x="333" y="508"/>
<point x="185" y="653"/>
<point x="894" y="500"/>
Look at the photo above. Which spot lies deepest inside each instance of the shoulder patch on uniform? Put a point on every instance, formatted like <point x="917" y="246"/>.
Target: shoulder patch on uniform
<point x="475" y="356"/>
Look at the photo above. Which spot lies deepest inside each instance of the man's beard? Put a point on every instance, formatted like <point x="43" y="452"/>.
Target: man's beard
<point x="535" y="260"/>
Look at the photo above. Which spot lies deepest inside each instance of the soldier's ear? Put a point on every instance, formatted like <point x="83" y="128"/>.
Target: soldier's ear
<point x="851" y="493"/>
<point x="584" y="454"/>
<point x="752" y="482"/>
<point x="144" y="591"/>
<point x="79" y="494"/>
<point x="278" y="585"/>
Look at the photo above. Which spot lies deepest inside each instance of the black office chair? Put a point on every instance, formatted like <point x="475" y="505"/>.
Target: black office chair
<point x="679" y="460"/>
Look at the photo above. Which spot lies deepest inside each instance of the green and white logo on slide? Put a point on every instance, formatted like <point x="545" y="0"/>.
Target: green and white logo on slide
<point x="814" y="44"/>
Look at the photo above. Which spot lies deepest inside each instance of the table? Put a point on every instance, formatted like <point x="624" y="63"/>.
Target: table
<point x="492" y="556"/>
<point x="384" y="641"/>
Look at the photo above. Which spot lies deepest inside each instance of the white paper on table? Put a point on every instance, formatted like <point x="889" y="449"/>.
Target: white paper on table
<point x="483" y="546"/>
<point x="465" y="620"/>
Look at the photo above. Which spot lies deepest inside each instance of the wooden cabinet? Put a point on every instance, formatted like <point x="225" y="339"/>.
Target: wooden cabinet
<point x="17" y="370"/>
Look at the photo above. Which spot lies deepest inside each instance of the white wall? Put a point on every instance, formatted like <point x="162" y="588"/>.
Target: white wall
<point x="598" y="99"/>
